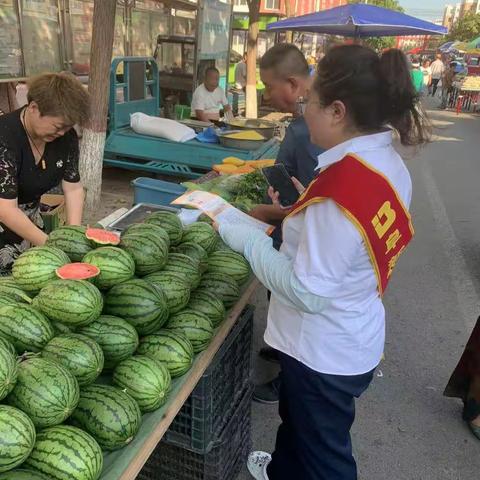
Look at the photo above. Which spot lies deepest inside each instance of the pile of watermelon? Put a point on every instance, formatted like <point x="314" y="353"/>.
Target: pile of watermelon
<point x="93" y="327"/>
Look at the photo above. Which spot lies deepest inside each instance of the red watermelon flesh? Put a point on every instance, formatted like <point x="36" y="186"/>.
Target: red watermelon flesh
<point x="77" y="271"/>
<point x="102" y="237"/>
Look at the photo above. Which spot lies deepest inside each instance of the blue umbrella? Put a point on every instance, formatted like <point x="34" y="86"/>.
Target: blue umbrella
<point x="446" y="46"/>
<point x="359" y="21"/>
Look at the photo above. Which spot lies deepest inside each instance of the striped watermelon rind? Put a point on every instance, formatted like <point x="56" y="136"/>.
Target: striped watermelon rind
<point x="23" y="474"/>
<point x="71" y="239"/>
<point x="148" y="252"/>
<point x="34" y="268"/>
<point x="224" y="286"/>
<point x="188" y="266"/>
<point x="196" y="326"/>
<point x="117" y="338"/>
<point x="61" y="328"/>
<point x="80" y="354"/>
<point x="175" y="286"/>
<point x="71" y="302"/>
<point x="145" y="379"/>
<point x="116" y="266"/>
<point x="6" y="301"/>
<point x="170" y="222"/>
<point x="65" y="452"/>
<point x="201" y="233"/>
<point x="8" y="345"/>
<point x="25" y="327"/>
<point x="139" y="303"/>
<point x="8" y="373"/>
<point x="10" y="289"/>
<point x="109" y="414"/>
<point x="193" y="250"/>
<point x="46" y="391"/>
<point x="147" y="229"/>
<point x="208" y="303"/>
<point x="229" y="263"/>
<point x="17" y="437"/>
<point x="173" y="349"/>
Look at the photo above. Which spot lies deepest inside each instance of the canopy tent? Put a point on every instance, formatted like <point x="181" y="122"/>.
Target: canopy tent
<point x="359" y="21"/>
<point x="473" y="44"/>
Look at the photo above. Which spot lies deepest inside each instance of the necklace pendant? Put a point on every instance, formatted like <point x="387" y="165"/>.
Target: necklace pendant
<point x="44" y="165"/>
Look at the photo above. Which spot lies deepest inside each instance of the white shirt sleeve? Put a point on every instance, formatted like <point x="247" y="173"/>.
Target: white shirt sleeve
<point x="224" y="98"/>
<point x="327" y="249"/>
<point x="197" y="100"/>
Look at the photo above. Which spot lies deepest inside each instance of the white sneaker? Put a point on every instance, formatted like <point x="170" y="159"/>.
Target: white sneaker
<point x="257" y="464"/>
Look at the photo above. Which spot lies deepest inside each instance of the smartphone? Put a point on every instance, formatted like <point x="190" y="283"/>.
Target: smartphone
<point x="279" y="179"/>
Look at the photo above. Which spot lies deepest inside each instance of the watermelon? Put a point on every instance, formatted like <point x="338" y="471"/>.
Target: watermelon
<point x="8" y="345"/>
<point x="66" y="453"/>
<point x="117" y="338"/>
<point x="172" y="348"/>
<point x="208" y="303"/>
<point x="148" y="252"/>
<point x="46" y="391"/>
<point x="71" y="302"/>
<point x="80" y="354"/>
<point x="71" y="240"/>
<point x="145" y="379"/>
<point x="22" y="474"/>
<point x="115" y="264"/>
<point x="174" y="285"/>
<point x="196" y="326"/>
<point x="147" y="229"/>
<point x="60" y="328"/>
<point x="25" y="327"/>
<point x="224" y="286"/>
<point x="10" y="289"/>
<point x="17" y="437"/>
<point x="99" y="236"/>
<point x="139" y="303"/>
<point x="170" y="222"/>
<point x="190" y="267"/>
<point x="195" y="251"/>
<point x="202" y="234"/>
<point x="34" y="268"/>
<point x="8" y="374"/>
<point x="77" y="271"/>
<point x="6" y="301"/>
<point x="230" y="263"/>
<point x="109" y="414"/>
<point x="221" y="246"/>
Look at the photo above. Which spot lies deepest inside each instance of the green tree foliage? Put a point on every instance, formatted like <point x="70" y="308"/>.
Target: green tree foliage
<point x="381" y="43"/>
<point x="466" y="29"/>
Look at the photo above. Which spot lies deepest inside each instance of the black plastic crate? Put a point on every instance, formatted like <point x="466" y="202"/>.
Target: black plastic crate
<point x="223" y="461"/>
<point x="212" y="402"/>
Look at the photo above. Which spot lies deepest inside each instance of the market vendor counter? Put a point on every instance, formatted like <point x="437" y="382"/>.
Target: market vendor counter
<point x="127" y="463"/>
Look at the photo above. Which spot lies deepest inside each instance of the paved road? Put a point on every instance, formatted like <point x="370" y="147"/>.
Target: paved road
<point x="405" y="428"/>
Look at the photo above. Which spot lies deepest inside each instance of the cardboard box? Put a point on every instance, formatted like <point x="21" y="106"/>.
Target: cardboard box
<point x="56" y="214"/>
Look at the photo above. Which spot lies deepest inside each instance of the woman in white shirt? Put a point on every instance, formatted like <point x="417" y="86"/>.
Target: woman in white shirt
<point x="342" y="240"/>
<point x="427" y="76"/>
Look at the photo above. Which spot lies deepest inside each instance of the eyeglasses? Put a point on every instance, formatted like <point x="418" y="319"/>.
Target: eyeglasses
<point x="303" y="102"/>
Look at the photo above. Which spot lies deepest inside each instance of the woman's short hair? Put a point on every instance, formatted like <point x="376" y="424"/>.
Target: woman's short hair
<point x="60" y="95"/>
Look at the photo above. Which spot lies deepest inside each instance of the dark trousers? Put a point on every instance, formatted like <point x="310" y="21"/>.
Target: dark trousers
<point x="435" y="85"/>
<point x="317" y="412"/>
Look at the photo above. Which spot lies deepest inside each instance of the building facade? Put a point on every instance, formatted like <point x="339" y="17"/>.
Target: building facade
<point x="454" y="12"/>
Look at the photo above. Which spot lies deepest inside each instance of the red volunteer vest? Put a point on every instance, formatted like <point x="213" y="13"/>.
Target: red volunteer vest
<point x="371" y="203"/>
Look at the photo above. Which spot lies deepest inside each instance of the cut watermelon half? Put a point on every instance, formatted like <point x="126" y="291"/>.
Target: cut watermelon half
<point x="77" y="271"/>
<point x="102" y="237"/>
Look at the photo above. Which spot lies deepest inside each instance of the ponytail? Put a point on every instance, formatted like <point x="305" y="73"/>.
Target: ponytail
<point x="376" y="92"/>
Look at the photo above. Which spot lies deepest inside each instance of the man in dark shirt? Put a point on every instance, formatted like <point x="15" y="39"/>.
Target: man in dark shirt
<point x="285" y="74"/>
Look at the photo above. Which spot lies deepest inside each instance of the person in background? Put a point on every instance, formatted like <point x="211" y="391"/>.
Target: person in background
<point x="447" y="84"/>
<point x="427" y="76"/>
<point x="241" y="73"/>
<point x="208" y="99"/>
<point x="8" y="99"/>
<point x="285" y="74"/>
<point x="38" y="151"/>
<point x="417" y="75"/>
<point x="438" y="69"/>
<point x="341" y="242"/>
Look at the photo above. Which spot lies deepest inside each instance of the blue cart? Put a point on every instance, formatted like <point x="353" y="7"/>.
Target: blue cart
<point x="137" y="90"/>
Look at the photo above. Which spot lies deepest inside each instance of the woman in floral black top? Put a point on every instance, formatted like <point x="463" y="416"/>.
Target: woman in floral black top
<point x="39" y="151"/>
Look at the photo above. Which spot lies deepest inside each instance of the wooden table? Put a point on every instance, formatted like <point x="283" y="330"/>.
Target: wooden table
<point x="125" y="464"/>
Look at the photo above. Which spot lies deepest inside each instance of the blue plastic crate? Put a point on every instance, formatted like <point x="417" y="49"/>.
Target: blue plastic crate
<point x="156" y="192"/>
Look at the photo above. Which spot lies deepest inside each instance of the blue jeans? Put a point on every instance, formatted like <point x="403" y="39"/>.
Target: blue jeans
<point x="317" y="412"/>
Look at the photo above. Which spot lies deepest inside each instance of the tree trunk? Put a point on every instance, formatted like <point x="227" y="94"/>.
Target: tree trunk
<point x="93" y="142"/>
<point x="288" y="13"/>
<point x="253" y="29"/>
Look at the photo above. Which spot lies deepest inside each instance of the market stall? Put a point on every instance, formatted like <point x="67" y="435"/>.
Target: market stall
<point x="465" y="94"/>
